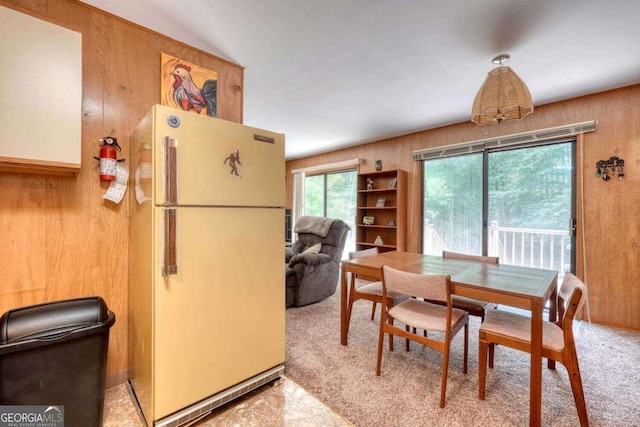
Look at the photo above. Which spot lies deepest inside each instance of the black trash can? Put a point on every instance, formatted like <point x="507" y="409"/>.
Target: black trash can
<point x="55" y="354"/>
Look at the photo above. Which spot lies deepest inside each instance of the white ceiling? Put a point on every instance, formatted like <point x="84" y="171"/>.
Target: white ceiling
<point x="336" y="73"/>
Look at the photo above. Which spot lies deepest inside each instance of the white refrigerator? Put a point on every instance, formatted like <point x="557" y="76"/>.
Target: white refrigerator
<point x="206" y="282"/>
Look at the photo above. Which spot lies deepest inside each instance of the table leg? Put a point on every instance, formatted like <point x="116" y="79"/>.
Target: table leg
<point x="535" y="384"/>
<point x="343" y="306"/>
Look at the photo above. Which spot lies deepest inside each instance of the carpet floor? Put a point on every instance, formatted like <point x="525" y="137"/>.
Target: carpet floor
<point x="407" y="392"/>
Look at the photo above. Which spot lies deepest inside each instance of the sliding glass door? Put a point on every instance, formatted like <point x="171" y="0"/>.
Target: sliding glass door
<point x="452" y="218"/>
<point x="333" y="195"/>
<point x="530" y="206"/>
<point x="517" y="204"/>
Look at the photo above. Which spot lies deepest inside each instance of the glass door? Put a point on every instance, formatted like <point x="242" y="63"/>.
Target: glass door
<point x="452" y="208"/>
<point x="530" y="206"/>
<point x="333" y="195"/>
<point x="517" y="204"/>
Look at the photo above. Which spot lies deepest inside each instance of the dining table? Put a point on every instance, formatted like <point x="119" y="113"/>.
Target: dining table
<point x="521" y="287"/>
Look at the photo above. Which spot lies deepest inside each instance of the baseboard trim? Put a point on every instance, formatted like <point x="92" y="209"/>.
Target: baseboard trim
<point x="116" y="380"/>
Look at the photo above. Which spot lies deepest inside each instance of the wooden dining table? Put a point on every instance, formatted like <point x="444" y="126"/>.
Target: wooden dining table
<point x="515" y="286"/>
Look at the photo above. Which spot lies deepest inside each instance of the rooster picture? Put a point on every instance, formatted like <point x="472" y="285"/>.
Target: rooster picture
<point x="187" y="94"/>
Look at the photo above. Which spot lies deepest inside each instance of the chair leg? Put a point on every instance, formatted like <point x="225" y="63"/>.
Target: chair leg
<point x="482" y="368"/>
<point x="578" y="393"/>
<point x="408" y="329"/>
<point x="373" y="310"/>
<point x="349" y="310"/>
<point x="466" y="347"/>
<point x="445" y="369"/>
<point x="391" y="335"/>
<point x="380" y="341"/>
<point x="492" y="349"/>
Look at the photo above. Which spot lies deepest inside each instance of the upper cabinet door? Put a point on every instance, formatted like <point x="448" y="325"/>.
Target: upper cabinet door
<point x="41" y="102"/>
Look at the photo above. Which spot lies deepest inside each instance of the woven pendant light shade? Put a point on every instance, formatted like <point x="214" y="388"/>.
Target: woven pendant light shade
<point x="503" y="96"/>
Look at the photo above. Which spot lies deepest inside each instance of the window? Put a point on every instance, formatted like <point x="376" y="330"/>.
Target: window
<point x="333" y="195"/>
<point x="515" y="203"/>
<point x="453" y="205"/>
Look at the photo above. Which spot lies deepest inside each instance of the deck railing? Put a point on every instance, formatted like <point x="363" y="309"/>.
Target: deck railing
<point x="529" y="247"/>
<point x="433" y="243"/>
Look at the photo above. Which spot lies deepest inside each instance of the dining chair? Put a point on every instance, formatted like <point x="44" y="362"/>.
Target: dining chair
<point x="514" y="330"/>
<point x="472" y="306"/>
<point x="420" y="314"/>
<point x="367" y="288"/>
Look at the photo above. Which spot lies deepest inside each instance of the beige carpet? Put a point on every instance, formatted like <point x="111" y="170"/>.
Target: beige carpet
<point x="407" y="392"/>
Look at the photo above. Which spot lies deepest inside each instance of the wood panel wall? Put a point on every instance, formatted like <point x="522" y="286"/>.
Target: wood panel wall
<point x="60" y="239"/>
<point x="611" y="223"/>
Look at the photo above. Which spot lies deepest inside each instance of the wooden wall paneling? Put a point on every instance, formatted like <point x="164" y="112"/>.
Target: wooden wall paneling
<point x="62" y="240"/>
<point x="611" y="208"/>
<point x="23" y="249"/>
<point x="627" y="139"/>
<point x="616" y="200"/>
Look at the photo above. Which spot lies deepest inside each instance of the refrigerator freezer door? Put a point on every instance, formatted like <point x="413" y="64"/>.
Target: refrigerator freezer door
<point x="217" y="162"/>
<point x="221" y="318"/>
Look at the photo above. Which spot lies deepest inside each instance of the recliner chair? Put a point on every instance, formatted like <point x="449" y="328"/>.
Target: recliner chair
<point x="312" y="271"/>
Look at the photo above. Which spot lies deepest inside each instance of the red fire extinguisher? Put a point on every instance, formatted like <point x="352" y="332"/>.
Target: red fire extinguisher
<point x="108" y="158"/>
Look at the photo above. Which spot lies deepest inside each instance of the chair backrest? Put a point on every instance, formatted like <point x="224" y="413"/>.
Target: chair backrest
<point x="364" y="252"/>
<point x="485" y="259"/>
<point x="430" y="287"/>
<point x="571" y="297"/>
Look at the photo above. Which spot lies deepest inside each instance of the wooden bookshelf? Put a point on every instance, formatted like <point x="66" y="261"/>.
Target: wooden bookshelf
<point x="386" y="203"/>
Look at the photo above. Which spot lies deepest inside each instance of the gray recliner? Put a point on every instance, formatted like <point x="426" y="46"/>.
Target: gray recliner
<point x="312" y="276"/>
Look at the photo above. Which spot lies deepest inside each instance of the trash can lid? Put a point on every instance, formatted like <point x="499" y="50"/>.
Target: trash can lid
<point x="42" y="320"/>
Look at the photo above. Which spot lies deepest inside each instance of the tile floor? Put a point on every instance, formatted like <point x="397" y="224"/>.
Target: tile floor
<point x="284" y="404"/>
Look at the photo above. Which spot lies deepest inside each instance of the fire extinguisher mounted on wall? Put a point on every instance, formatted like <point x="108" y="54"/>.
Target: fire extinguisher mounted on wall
<point x="108" y="158"/>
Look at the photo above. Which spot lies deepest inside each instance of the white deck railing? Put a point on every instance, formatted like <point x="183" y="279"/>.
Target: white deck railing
<point x="528" y="247"/>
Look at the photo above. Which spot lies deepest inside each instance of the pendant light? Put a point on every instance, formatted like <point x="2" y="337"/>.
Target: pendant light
<point x="503" y="96"/>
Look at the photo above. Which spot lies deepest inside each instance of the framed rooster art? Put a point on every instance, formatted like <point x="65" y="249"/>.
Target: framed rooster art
<point x="188" y="86"/>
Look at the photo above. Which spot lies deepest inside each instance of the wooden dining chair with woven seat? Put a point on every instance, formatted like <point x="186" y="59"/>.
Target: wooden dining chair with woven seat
<point x="472" y="306"/>
<point x="367" y="288"/>
<point x="420" y="314"/>
<point x="514" y="330"/>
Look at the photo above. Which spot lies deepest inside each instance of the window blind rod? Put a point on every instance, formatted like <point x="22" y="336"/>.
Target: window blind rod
<point x="513" y="140"/>
<point x="336" y="165"/>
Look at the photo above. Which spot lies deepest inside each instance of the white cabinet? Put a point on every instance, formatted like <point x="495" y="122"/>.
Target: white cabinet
<point x="41" y="95"/>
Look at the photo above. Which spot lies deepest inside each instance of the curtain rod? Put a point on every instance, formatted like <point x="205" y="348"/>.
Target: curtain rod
<point x="506" y="140"/>
<point x="335" y="165"/>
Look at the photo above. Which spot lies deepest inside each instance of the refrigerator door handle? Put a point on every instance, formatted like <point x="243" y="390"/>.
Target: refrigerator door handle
<point x="170" y="170"/>
<point x="169" y="258"/>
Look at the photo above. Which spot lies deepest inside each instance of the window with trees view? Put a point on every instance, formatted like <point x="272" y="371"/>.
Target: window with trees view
<point x="333" y="195"/>
<point x="517" y="204"/>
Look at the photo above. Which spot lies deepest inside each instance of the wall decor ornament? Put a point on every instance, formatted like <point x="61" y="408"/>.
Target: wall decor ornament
<point x="605" y="169"/>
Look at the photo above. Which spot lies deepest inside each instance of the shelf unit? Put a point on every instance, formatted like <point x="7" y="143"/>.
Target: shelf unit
<point x="393" y="209"/>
